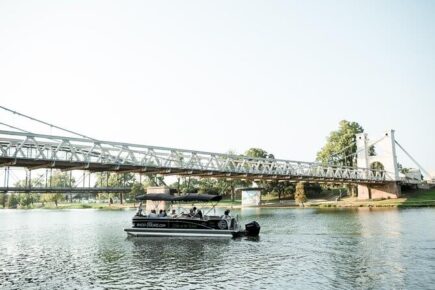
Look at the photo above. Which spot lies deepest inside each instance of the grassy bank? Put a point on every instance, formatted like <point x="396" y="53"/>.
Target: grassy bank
<point x="420" y="198"/>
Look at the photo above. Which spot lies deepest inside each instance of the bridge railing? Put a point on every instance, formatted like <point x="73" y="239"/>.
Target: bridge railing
<point x="24" y="148"/>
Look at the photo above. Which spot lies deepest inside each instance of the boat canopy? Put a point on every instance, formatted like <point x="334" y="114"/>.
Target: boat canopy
<point x="187" y="197"/>
<point x="198" y="197"/>
<point x="156" y="197"/>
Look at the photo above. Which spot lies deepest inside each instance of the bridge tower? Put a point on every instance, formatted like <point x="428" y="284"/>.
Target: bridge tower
<point x="385" y="158"/>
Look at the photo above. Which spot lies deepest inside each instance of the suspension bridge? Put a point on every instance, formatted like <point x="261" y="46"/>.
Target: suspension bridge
<point x="30" y="150"/>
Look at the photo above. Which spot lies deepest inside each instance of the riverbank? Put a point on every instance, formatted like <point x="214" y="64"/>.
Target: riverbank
<point x="420" y="198"/>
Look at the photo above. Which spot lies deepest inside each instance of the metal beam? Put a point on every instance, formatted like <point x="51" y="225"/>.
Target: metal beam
<point x="69" y="153"/>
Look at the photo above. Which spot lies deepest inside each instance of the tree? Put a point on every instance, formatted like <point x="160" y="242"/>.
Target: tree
<point x="187" y="185"/>
<point x="300" y="196"/>
<point x="268" y="186"/>
<point x="25" y="199"/>
<point x="13" y="201"/>
<point x="280" y="187"/>
<point x="228" y="186"/>
<point x="3" y="199"/>
<point x="113" y="179"/>
<point x="57" y="197"/>
<point x="45" y="197"/>
<point x="136" y="189"/>
<point x="257" y="153"/>
<point x="340" y="146"/>
<point x="62" y="179"/>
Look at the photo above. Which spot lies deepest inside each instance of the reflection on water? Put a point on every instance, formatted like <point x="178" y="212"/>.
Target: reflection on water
<point x="298" y="249"/>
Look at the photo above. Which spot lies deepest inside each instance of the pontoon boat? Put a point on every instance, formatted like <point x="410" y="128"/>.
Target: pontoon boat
<point x="188" y="223"/>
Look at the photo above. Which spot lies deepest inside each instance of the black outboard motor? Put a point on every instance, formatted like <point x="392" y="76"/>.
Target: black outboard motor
<point x="252" y="229"/>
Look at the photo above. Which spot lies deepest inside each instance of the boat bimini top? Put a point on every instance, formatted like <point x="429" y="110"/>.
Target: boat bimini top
<point x="182" y="198"/>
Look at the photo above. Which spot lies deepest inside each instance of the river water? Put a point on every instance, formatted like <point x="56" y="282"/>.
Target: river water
<point x="297" y="249"/>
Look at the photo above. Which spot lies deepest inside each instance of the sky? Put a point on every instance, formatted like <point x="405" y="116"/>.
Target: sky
<point x="224" y="75"/>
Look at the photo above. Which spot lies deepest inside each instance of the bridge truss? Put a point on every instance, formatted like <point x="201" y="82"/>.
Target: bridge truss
<point x="34" y="151"/>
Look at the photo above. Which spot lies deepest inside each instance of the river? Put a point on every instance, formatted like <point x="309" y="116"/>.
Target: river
<point x="297" y="249"/>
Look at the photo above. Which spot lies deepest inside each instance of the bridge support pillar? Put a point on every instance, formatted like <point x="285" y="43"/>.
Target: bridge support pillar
<point x="387" y="190"/>
<point x="251" y="196"/>
<point x="157" y="205"/>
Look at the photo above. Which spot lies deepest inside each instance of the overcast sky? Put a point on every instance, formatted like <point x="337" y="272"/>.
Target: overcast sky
<point x="221" y="75"/>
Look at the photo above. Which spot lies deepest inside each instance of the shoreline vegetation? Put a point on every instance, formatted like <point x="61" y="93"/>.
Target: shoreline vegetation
<point x="418" y="198"/>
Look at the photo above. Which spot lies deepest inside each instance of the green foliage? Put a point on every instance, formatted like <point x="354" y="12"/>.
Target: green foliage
<point x="208" y="186"/>
<point x="3" y="199"/>
<point x="186" y="185"/>
<point x="136" y="189"/>
<point x="341" y="145"/>
<point x="113" y="179"/>
<point x="62" y="179"/>
<point x="312" y="189"/>
<point x="281" y="188"/>
<point x="57" y="197"/>
<point x="51" y="197"/>
<point x="45" y="197"/>
<point x="257" y="153"/>
<point x="269" y="186"/>
<point x="13" y="201"/>
<point x="300" y="196"/>
<point x="377" y="166"/>
<point x="25" y="199"/>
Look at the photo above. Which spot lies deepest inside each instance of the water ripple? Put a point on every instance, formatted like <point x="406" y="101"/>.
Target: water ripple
<point x="298" y="249"/>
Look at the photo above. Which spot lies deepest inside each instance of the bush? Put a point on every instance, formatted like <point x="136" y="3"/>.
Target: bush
<point x="13" y="201"/>
<point x="3" y="200"/>
<point x="25" y="199"/>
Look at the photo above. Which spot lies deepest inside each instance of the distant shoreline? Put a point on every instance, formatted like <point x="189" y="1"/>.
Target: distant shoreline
<point x="412" y="200"/>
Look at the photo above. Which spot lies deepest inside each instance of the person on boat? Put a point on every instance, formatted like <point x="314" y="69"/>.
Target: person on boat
<point x="199" y="214"/>
<point x="139" y="210"/>
<point x="161" y="214"/>
<point x="164" y="213"/>
<point x="152" y="214"/>
<point x="174" y="213"/>
<point x="226" y="215"/>
<point x="226" y="220"/>
<point x="191" y="213"/>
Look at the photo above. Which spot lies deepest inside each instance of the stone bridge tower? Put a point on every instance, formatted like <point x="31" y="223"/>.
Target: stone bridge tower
<point x="385" y="159"/>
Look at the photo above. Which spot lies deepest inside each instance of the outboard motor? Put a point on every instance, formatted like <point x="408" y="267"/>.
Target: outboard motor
<point x="252" y="229"/>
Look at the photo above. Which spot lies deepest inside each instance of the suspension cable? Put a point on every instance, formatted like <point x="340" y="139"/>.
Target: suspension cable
<point x="48" y="124"/>
<point x="360" y="150"/>
<point x="16" y="128"/>
<point x="415" y="161"/>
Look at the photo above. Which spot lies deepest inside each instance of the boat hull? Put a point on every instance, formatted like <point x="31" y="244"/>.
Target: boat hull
<point x="171" y="232"/>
